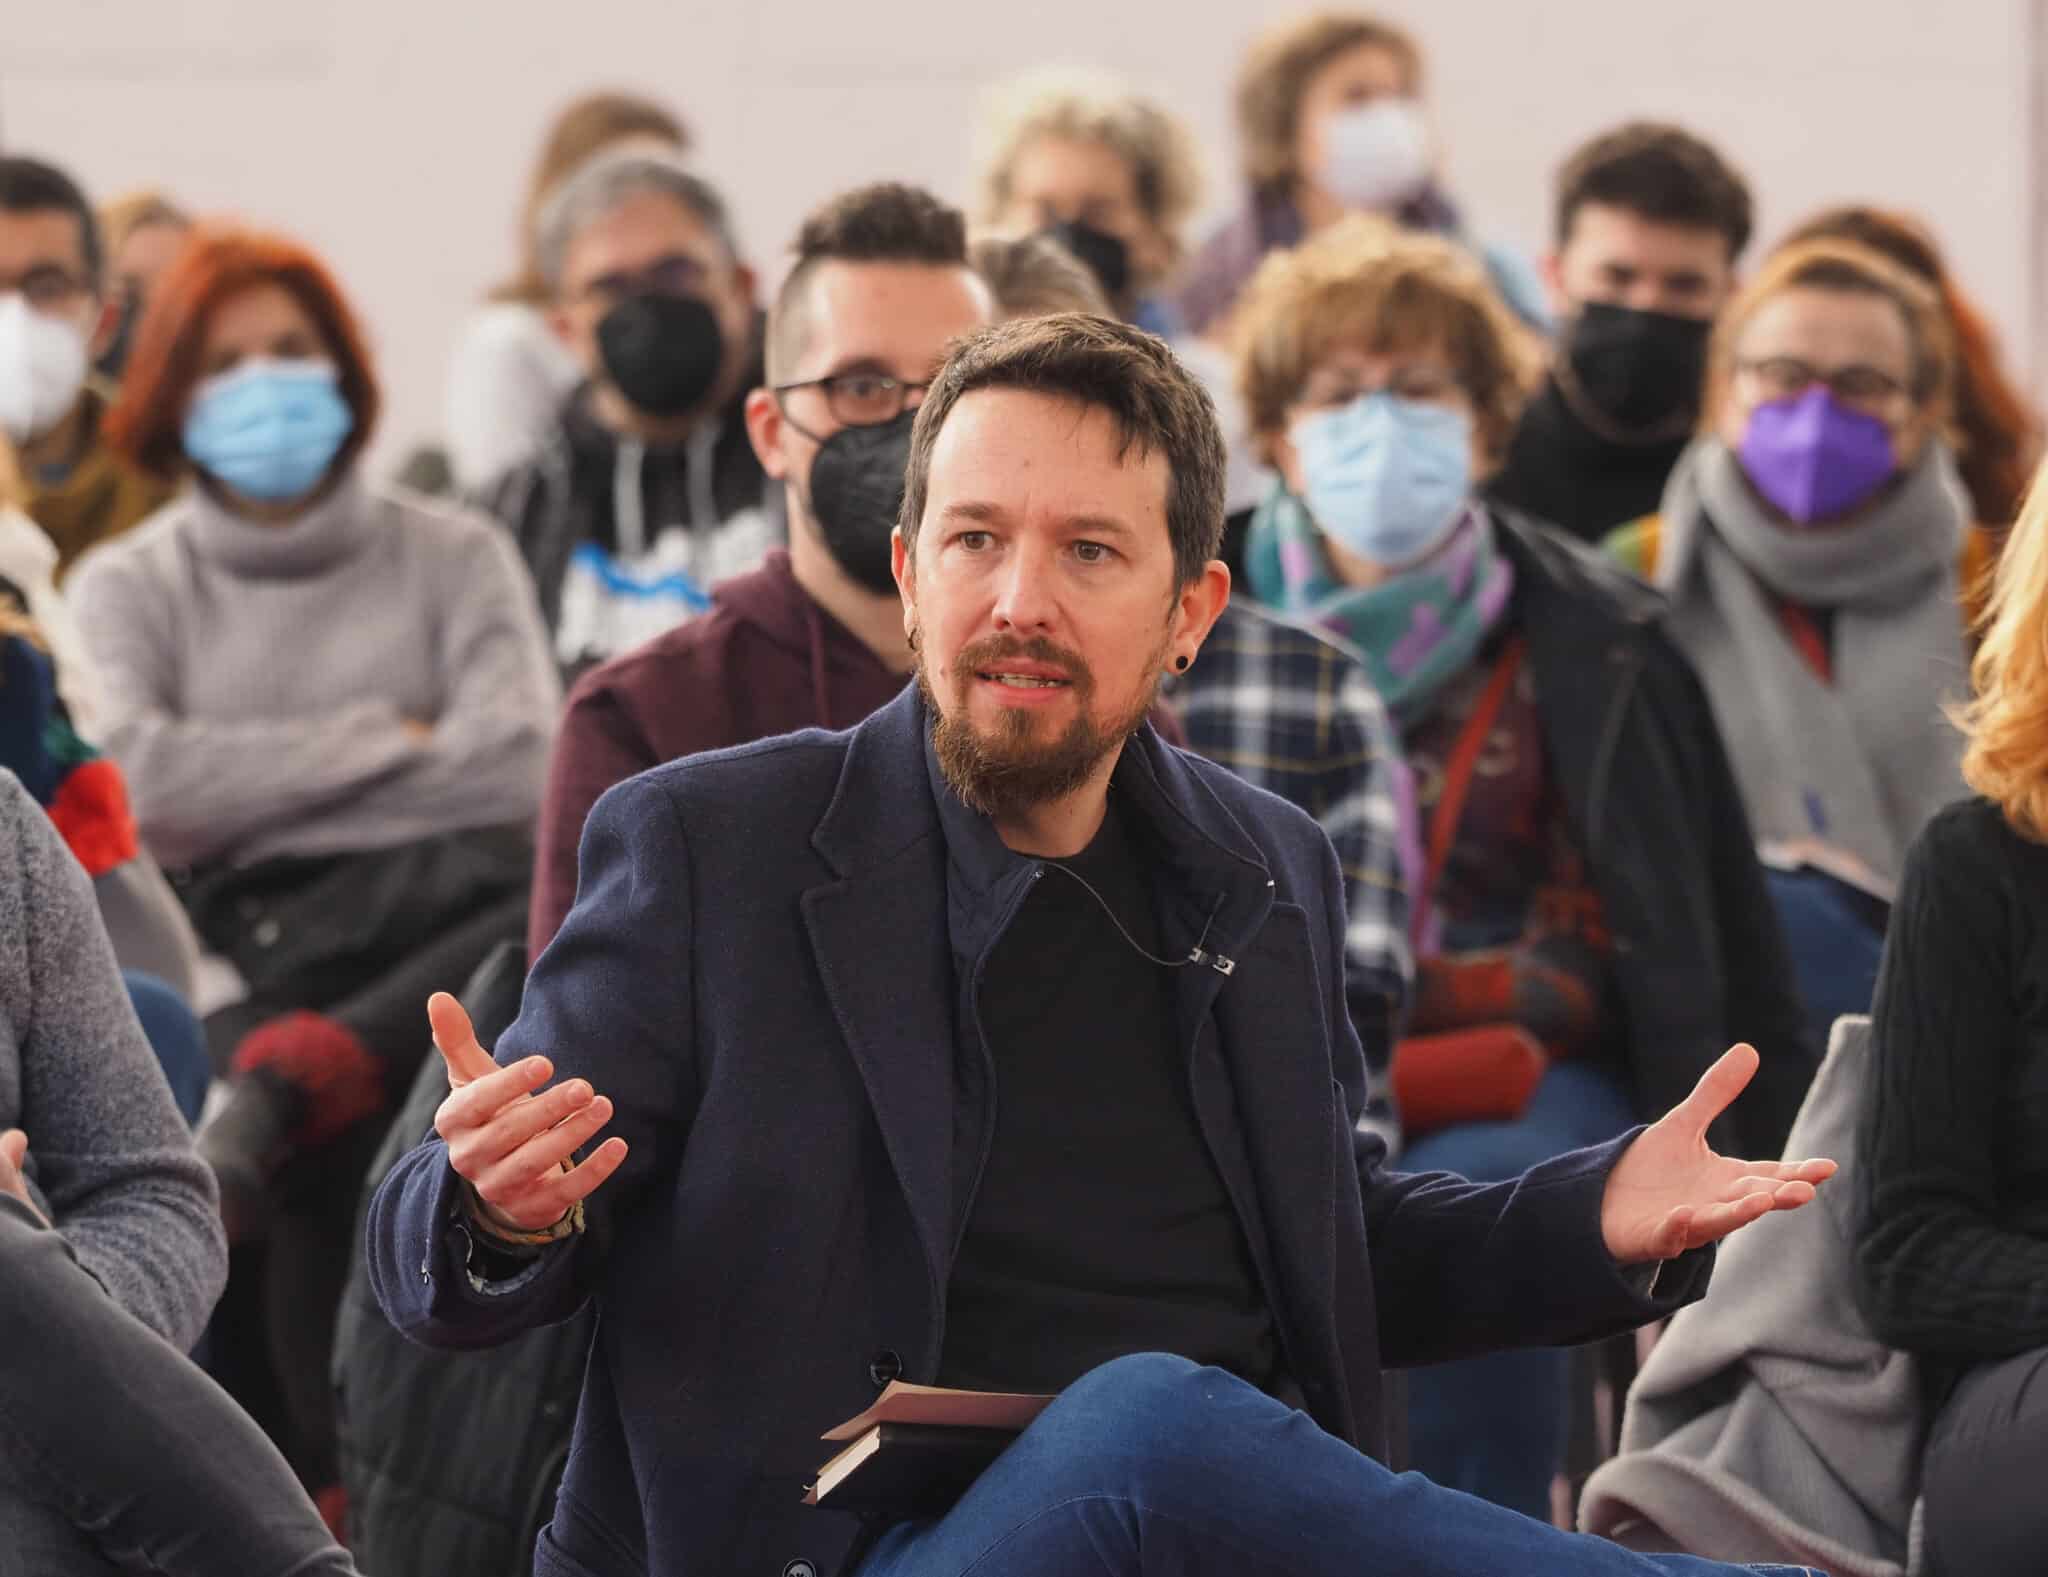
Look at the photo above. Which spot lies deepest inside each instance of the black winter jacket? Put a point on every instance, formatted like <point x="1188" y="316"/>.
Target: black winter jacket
<point x="1646" y="782"/>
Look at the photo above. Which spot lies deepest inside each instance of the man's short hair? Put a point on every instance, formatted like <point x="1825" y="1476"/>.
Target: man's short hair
<point x="604" y="184"/>
<point x="29" y="186"/>
<point x="1158" y="406"/>
<point x="1091" y="107"/>
<point x="884" y="223"/>
<point x="1032" y="276"/>
<point x="1658" y="172"/>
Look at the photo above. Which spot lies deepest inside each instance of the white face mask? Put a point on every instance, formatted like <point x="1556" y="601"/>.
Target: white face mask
<point x="1375" y="156"/>
<point x="43" y="364"/>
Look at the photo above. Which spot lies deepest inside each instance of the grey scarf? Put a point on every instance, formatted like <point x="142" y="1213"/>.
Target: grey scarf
<point x="1860" y="763"/>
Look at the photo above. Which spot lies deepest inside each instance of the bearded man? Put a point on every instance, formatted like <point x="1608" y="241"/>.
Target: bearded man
<point x="995" y="1043"/>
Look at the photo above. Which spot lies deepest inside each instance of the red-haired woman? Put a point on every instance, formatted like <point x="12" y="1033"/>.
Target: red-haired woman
<point x="332" y="703"/>
<point x="1951" y="1230"/>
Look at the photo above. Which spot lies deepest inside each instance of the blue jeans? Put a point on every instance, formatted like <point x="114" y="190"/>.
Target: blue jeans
<point x="1834" y="937"/>
<point x="1150" y="1465"/>
<point x="173" y="1033"/>
<point x="1496" y="1426"/>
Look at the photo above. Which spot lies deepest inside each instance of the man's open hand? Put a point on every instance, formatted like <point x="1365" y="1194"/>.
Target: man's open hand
<point x="13" y="1180"/>
<point x="511" y="1145"/>
<point x="1670" y="1192"/>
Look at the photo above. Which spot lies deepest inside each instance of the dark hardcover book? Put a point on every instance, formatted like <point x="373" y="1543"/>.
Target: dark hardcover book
<point x="907" y="1470"/>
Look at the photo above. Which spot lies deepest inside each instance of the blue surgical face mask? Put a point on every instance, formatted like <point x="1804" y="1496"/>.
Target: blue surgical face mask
<point x="269" y="429"/>
<point x="1385" y="476"/>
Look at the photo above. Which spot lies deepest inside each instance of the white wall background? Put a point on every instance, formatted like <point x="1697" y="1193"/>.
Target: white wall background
<point x="395" y="134"/>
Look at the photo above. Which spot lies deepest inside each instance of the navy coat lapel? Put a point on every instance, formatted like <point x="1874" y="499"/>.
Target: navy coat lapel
<point x="879" y="936"/>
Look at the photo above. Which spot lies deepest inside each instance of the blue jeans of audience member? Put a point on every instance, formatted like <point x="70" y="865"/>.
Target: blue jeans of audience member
<point x="1151" y="1465"/>
<point x="173" y="1032"/>
<point x="1496" y="1426"/>
<point x="1834" y="936"/>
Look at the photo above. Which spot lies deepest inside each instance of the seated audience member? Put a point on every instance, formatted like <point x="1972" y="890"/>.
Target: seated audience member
<point x="141" y="232"/>
<point x="84" y="796"/>
<point x="1650" y="223"/>
<point x="1997" y="430"/>
<point x="1808" y="546"/>
<point x="880" y="285"/>
<point x="28" y="568"/>
<point x="1331" y="122"/>
<point x="1951" y="1244"/>
<point x="54" y="316"/>
<point x="1084" y="1134"/>
<point x="1769" y="1423"/>
<point x="48" y="696"/>
<point x="1110" y="174"/>
<point x="647" y="493"/>
<point x="511" y="370"/>
<point x="118" y="1451"/>
<point x="1295" y="713"/>
<point x="1583" y="957"/>
<point x="1034" y="275"/>
<point x="332" y="704"/>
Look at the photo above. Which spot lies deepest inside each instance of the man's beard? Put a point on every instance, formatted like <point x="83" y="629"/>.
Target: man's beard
<point x="1004" y="771"/>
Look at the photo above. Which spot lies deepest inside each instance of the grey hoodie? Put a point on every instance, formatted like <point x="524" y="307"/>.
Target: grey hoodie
<point x="109" y="1159"/>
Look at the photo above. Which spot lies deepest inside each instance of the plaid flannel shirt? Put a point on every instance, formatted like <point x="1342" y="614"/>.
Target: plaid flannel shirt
<point x="1294" y="713"/>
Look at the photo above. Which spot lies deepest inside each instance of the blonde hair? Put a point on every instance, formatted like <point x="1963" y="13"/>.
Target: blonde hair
<point x="137" y="210"/>
<point x="1093" y="107"/>
<point x="2006" y="722"/>
<point x="1033" y="275"/>
<point x="1848" y="268"/>
<point x="1277" y="71"/>
<point x="1365" y="281"/>
<point x="13" y="490"/>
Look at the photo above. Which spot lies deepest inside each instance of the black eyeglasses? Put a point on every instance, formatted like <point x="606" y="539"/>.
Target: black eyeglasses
<point x="859" y="399"/>
<point x="1858" y="384"/>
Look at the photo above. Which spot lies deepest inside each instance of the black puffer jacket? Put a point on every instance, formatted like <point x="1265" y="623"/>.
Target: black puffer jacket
<point x="1635" y="751"/>
<point x="451" y="1458"/>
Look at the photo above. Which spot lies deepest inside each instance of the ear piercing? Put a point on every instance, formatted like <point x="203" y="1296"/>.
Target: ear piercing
<point x="1180" y="664"/>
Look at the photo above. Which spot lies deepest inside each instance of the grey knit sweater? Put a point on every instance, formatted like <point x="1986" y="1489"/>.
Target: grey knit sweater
<point x="259" y="677"/>
<point x="109" y="1159"/>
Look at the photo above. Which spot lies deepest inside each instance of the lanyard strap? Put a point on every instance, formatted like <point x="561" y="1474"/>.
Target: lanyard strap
<point x="1464" y="759"/>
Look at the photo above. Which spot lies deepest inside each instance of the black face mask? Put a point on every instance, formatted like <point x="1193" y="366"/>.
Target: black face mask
<point x="663" y="352"/>
<point x="857" y="493"/>
<point x="1105" y="256"/>
<point x="1641" y="371"/>
<point x="115" y="356"/>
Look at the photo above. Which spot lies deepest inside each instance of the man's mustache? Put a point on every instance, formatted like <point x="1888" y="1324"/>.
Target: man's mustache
<point x="982" y="655"/>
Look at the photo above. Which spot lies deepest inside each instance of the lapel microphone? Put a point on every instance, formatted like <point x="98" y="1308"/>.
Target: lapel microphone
<point x="1197" y="955"/>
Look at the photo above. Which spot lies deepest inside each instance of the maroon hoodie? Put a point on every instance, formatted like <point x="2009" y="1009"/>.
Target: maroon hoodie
<point x="766" y="660"/>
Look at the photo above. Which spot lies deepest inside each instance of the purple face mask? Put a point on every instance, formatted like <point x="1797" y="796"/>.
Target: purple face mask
<point x="1813" y="458"/>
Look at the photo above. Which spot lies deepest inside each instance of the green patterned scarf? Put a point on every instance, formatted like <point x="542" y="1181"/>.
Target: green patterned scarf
<point x="1415" y="632"/>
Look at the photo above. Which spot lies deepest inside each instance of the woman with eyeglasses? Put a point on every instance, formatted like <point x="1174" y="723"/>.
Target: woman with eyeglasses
<point x="1595" y="930"/>
<point x="332" y="703"/>
<point x="1809" y="544"/>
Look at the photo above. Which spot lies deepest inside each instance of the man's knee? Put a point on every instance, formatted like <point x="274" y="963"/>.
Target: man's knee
<point x="1134" y="1417"/>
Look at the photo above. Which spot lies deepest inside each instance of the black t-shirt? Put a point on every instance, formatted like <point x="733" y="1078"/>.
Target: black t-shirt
<point x="1101" y="1225"/>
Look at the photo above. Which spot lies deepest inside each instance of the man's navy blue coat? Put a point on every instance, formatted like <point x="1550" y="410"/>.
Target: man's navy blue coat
<point x="763" y="972"/>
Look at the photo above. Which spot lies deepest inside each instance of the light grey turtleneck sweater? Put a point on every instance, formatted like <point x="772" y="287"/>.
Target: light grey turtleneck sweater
<point x="258" y="678"/>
